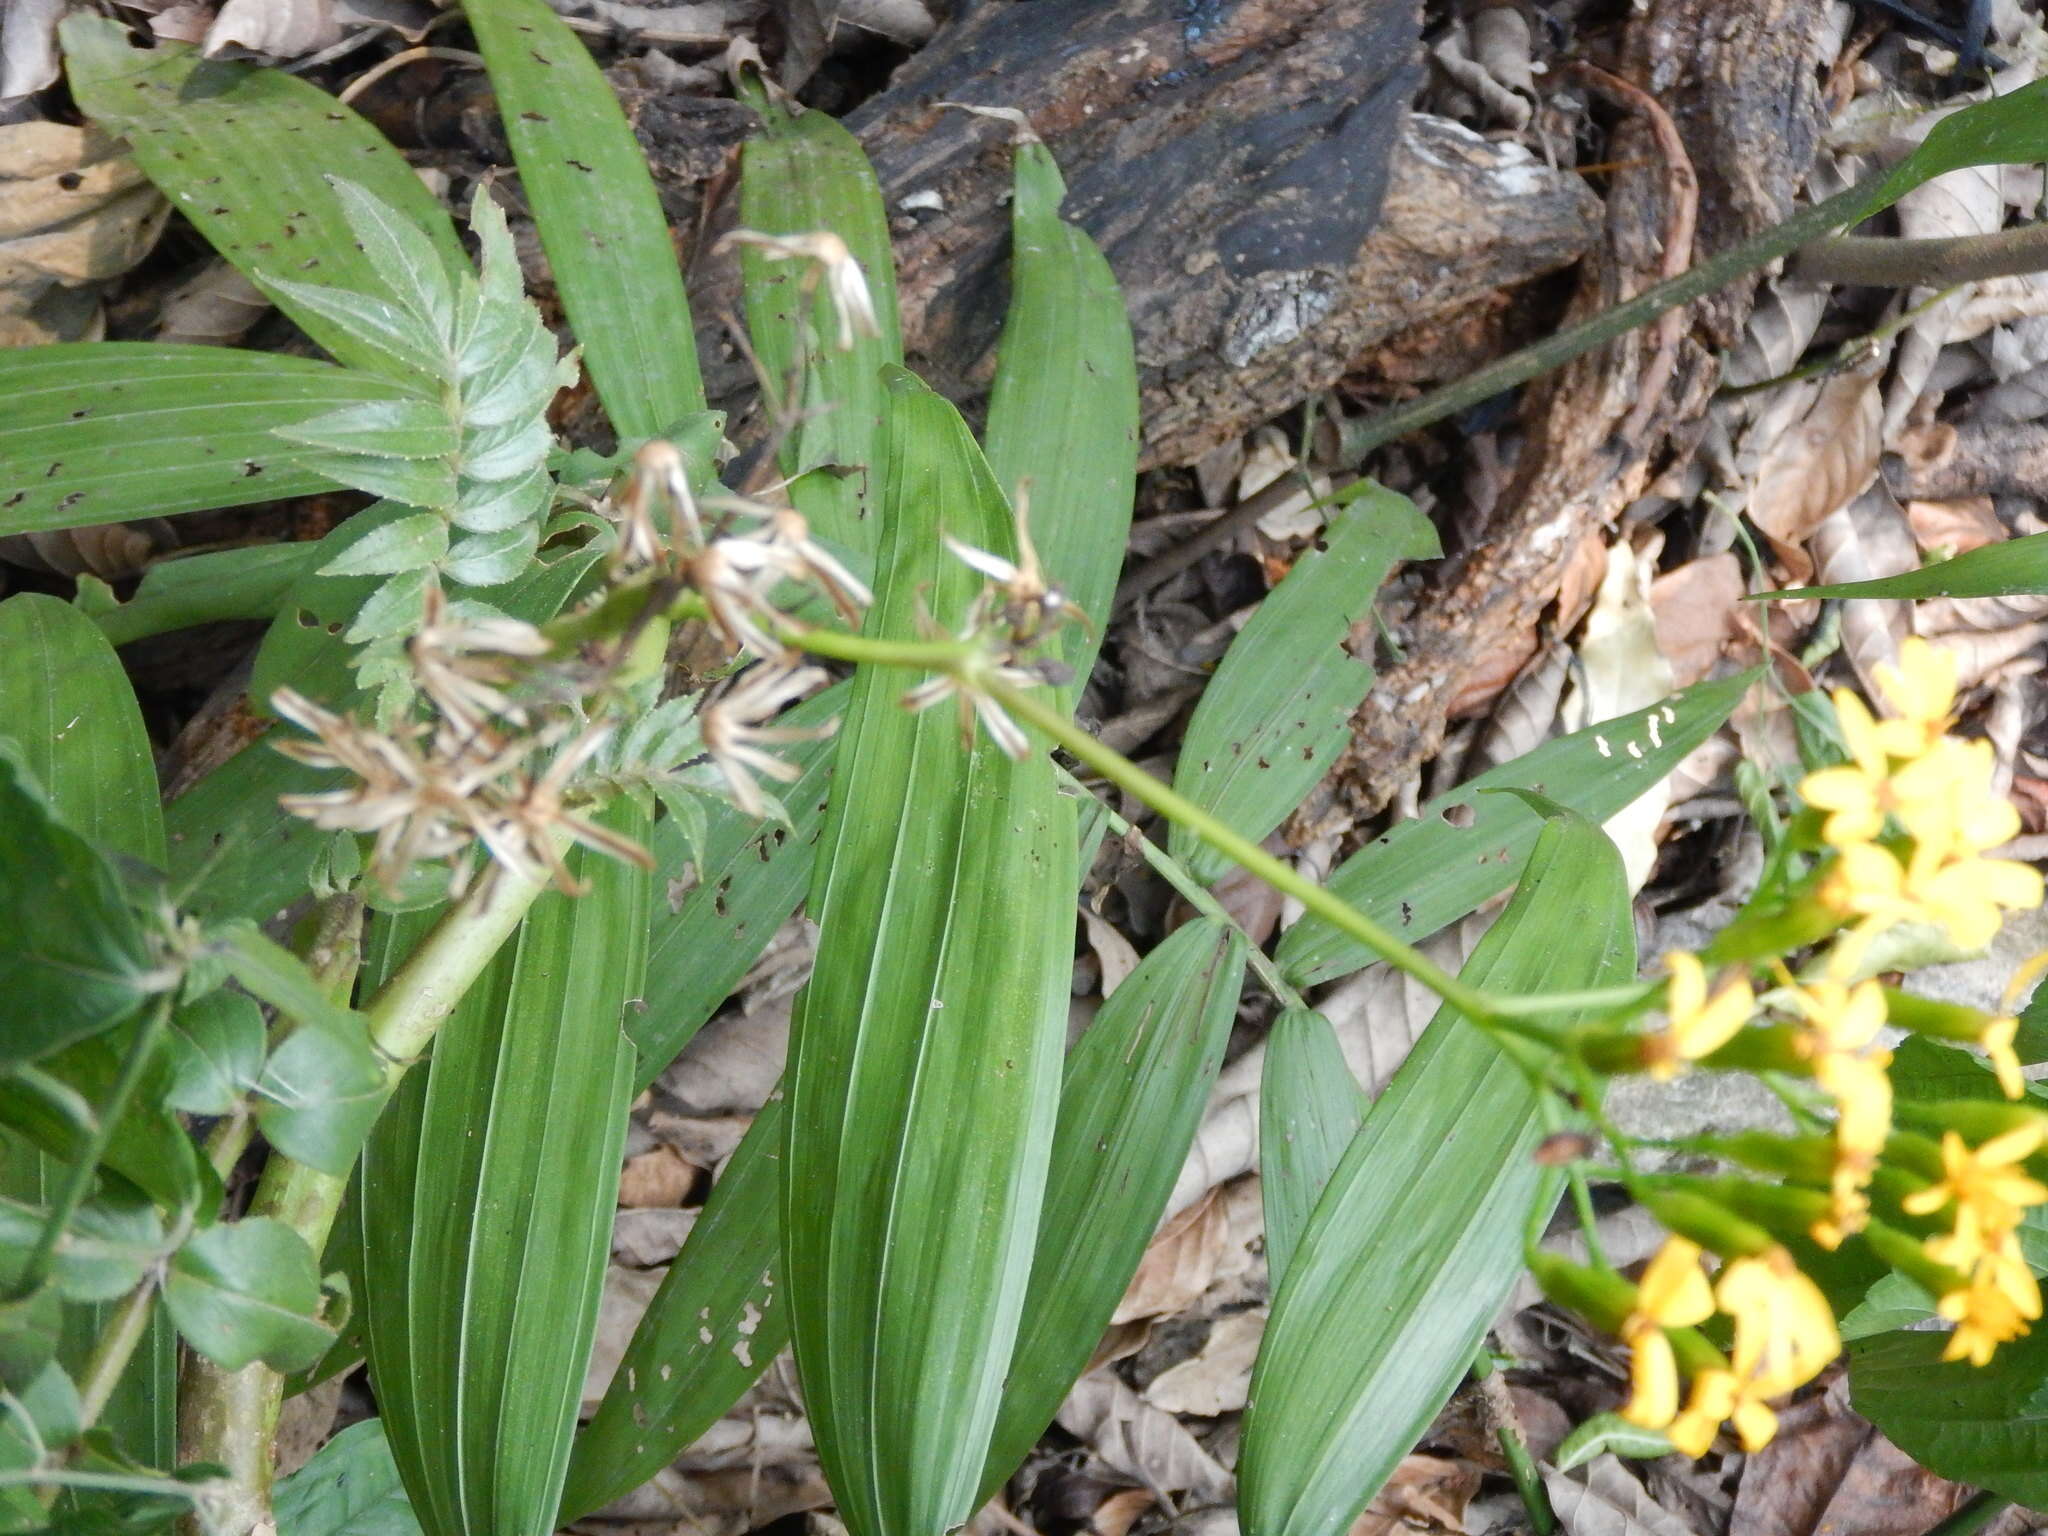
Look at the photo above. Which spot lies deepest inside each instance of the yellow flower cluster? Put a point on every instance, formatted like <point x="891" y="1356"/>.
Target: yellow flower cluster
<point x="1938" y="790"/>
<point x="1990" y="1193"/>
<point x="1785" y="1336"/>
<point x="1840" y="1039"/>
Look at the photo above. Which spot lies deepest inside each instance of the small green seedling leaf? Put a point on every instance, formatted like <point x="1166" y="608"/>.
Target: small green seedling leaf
<point x="280" y="978"/>
<point x="1310" y="1108"/>
<point x="349" y="1488"/>
<point x="319" y="1095"/>
<point x="111" y="1243"/>
<point x="215" y="1051"/>
<point x="1279" y="708"/>
<point x="1609" y="1433"/>
<point x="248" y="1290"/>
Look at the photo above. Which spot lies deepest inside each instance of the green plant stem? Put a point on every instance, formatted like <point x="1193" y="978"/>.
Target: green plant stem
<point x="1175" y="874"/>
<point x="111" y="1353"/>
<point x="1881" y="261"/>
<point x="78" y="1177"/>
<point x="112" y="1482"/>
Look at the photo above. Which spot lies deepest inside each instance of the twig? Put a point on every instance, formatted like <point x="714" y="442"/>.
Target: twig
<point x="1877" y="261"/>
<point x="1681" y="214"/>
<point x="371" y="76"/>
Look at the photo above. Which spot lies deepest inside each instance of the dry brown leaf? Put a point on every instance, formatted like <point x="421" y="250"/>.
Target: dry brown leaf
<point x="75" y="210"/>
<point x="655" y="1180"/>
<point x="1115" y="1514"/>
<point x="213" y="308"/>
<point x="1978" y="654"/>
<point x="110" y="551"/>
<point x="1217" y="1378"/>
<point x="1583" y="573"/>
<point x="1694" y="609"/>
<point x="1603" y="1498"/>
<point x="626" y="1295"/>
<point x="1227" y="1144"/>
<point x="732" y="1064"/>
<point x="1140" y="1441"/>
<point x="28" y="47"/>
<point x="277" y="29"/>
<point x="1952" y="615"/>
<point x="641" y="1239"/>
<point x="1967" y="522"/>
<point x="702" y="1141"/>
<point x="1114" y="953"/>
<point x="1426" y="1493"/>
<point x="1866" y="539"/>
<point x="1179" y="1262"/>
<point x="1819" y="465"/>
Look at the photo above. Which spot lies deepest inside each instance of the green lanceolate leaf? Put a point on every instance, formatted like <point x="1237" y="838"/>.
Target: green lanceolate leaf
<point x="750" y="877"/>
<point x="925" y="1055"/>
<point x="599" y="218"/>
<point x="2016" y="568"/>
<point x="247" y="155"/>
<point x="74" y="716"/>
<point x="802" y="175"/>
<point x="1417" y="1239"/>
<point x="1428" y="872"/>
<point x="248" y="1290"/>
<point x="2011" y="129"/>
<point x="104" y="431"/>
<point x="713" y="1327"/>
<point x="1133" y="1098"/>
<point x="1279" y="708"/>
<point x="1063" y="415"/>
<point x="248" y="583"/>
<point x="1310" y="1107"/>
<point x="349" y="1488"/>
<point x="1976" y="1424"/>
<point x="488" y="1190"/>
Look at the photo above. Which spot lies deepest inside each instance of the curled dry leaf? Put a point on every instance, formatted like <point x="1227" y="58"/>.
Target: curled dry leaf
<point x="1818" y="466"/>
<point x="109" y="551"/>
<point x="276" y="29"/>
<point x="1113" y="952"/>
<point x="1217" y="1378"/>
<point x="1426" y="1493"/>
<point x="28" y="47"/>
<point x="1141" y="1441"/>
<point x="1957" y="525"/>
<point x="655" y="1179"/>
<point x="213" y="308"/>
<point x="1603" y="1498"/>
<point x="1180" y="1262"/>
<point x="732" y="1064"/>
<point x="75" y="210"/>
<point x="1866" y="539"/>
<point x="1694" y="609"/>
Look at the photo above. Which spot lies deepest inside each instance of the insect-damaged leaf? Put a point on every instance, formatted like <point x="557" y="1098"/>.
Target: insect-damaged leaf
<point x="925" y="1055"/>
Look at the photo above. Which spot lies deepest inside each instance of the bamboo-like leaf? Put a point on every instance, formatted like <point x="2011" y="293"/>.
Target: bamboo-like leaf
<point x="105" y="431"/>
<point x="488" y="1189"/>
<point x="750" y="877"/>
<point x="1417" y="1239"/>
<point x="1310" y="1107"/>
<point x="1134" y="1093"/>
<point x="70" y="709"/>
<point x="2016" y="568"/>
<point x="805" y="174"/>
<point x="1467" y="846"/>
<point x="248" y="583"/>
<point x="1063" y="414"/>
<point x="1278" y="710"/>
<point x="714" y="1325"/>
<point x="925" y="1053"/>
<point x="599" y="218"/>
<point x="246" y="154"/>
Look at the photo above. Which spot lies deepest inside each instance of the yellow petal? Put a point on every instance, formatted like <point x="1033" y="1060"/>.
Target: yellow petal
<point x="1653" y="1379"/>
<point x="1674" y="1291"/>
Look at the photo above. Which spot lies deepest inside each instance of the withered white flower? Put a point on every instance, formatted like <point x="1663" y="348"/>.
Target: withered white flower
<point x="731" y="576"/>
<point x="463" y="664"/>
<point x="1030" y="605"/>
<point x="734" y="735"/>
<point x="784" y="535"/>
<point x="658" y="469"/>
<point x="520" y="827"/>
<point x="834" y="263"/>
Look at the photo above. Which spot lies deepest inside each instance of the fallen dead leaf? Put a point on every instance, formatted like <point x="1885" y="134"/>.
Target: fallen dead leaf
<point x="1114" y="1515"/>
<point x="1694" y="609"/>
<point x="1113" y="952"/>
<point x="655" y="1179"/>
<point x="75" y="210"/>
<point x="1819" y="465"/>
<point x="1603" y="1498"/>
<point x="1426" y="1493"/>
<point x="1966" y="523"/>
<point x="1218" y="1377"/>
<point x="1866" y="539"/>
<point x="1140" y="1441"/>
<point x="1180" y="1261"/>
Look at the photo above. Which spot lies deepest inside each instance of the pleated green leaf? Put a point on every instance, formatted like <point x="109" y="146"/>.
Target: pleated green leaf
<point x="803" y="174"/>
<point x="487" y="1196"/>
<point x="99" y="432"/>
<point x="1134" y="1093"/>
<point x="1063" y="414"/>
<point x="2016" y="568"/>
<point x="1310" y="1106"/>
<point x="73" y="715"/>
<point x="925" y="1055"/>
<point x="1467" y="846"/>
<point x="1983" y="1425"/>
<point x="1278" y="710"/>
<point x="599" y="218"/>
<point x="246" y="154"/>
<point x="714" y="1325"/>
<point x="1417" y="1239"/>
<point x="751" y="876"/>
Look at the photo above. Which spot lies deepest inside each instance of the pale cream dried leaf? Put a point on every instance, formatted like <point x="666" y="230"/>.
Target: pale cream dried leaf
<point x="1113" y="952"/>
<point x="1140" y="1441"/>
<point x="75" y="210"/>
<point x="1868" y="538"/>
<point x="1956" y="525"/>
<point x="1603" y="1498"/>
<point x="276" y="29"/>
<point x="1217" y="1378"/>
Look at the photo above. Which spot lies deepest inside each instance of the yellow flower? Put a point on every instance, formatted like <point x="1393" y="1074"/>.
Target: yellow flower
<point x="1922" y="688"/>
<point x="1987" y="1184"/>
<point x="1840" y="1017"/>
<point x="2002" y="1297"/>
<point x="1857" y="794"/>
<point x="1997" y="1041"/>
<point x="1718" y="1395"/>
<point x="1698" y="1026"/>
<point x="1785" y="1331"/>
<point x="1673" y="1293"/>
<point x="1862" y="1091"/>
<point x="1962" y="897"/>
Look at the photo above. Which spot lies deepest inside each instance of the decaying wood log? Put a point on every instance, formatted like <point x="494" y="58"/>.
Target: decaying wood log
<point x="1252" y="171"/>
<point x="1738" y="78"/>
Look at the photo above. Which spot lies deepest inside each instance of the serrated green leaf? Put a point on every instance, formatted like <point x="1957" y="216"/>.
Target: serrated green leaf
<point x="937" y="1001"/>
<point x="105" y="431"/>
<point x="1310" y="1108"/>
<point x="214" y="1047"/>
<point x="1416" y="1240"/>
<point x="350" y="1487"/>
<point x="247" y="155"/>
<point x="492" y="506"/>
<point x="2016" y="568"/>
<point x="1063" y="412"/>
<point x="413" y="482"/>
<point x="491" y="559"/>
<point x="396" y="429"/>
<point x="405" y="544"/>
<point x="73" y="961"/>
<point x="599" y="218"/>
<point x="1983" y="1425"/>
<point x="247" y="583"/>
<point x="1467" y="846"/>
<point x="248" y="1290"/>
<point x="407" y="263"/>
<point x="715" y="1324"/>
<point x="1278" y="710"/>
<point x="802" y="174"/>
<point x="487" y="1210"/>
<point x="388" y="338"/>
<point x="1135" y="1089"/>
